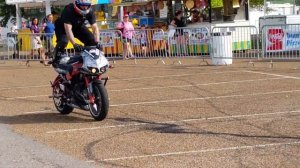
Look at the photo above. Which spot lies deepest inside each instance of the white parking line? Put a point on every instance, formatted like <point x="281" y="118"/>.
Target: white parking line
<point x="203" y="98"/>
<point x="24" y="97"/>
<point x="162" y="87"/>
<point x="178" y="75"/>
<point x="24" y="87"/>
<point x="205" y="151"/>
<point x="166" y="101"/>
<point x="172" y="122"/>
<point x="201" y="84"/>
<point x="38" y="112"/>
<point x="165" y="76"/>
<point x="128" y="79"/>
<point x="271" y="74"/>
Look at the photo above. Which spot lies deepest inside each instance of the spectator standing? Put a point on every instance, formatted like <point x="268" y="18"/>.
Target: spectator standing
<point x="49" y="29"/>
<point x="36" y="41"/>
<point x="13" y="38"/>
<point x="127" y="29"/>
<point x="24" y="25"/>
<point x="179" y="24"/>
<point x="144" y="40"/>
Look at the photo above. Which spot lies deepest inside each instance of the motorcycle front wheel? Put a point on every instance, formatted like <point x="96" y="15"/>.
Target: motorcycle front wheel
<point x="99" y="108"/>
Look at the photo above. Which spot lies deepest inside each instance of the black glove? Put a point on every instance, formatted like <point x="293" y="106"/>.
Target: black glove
<point x="78" y="47"/>
<point x="99" y="46"/>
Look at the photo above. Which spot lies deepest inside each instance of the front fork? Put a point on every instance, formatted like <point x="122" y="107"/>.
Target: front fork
<point x="89" y="86"/>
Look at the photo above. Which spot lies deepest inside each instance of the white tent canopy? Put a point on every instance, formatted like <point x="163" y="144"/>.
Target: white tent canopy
<point x="35" y="4"/>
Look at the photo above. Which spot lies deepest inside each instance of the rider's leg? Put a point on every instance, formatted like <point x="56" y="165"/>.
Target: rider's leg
<point x="62" y="42"/>
<point x="85" y="36"/>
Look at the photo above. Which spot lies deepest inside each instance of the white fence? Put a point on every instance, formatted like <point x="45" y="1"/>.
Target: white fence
<point x="232" y="42"/>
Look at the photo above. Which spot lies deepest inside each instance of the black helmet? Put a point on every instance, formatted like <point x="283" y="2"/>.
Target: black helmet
<point x="82" y="7"/>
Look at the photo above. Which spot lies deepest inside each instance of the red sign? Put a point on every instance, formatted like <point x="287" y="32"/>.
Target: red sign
<point x="275" y="39"/>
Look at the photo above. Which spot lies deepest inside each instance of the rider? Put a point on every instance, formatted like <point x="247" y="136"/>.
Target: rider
<point x="71" y="25"/>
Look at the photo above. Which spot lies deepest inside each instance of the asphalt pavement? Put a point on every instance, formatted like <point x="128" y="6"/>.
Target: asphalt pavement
<point x="19" y="151"/>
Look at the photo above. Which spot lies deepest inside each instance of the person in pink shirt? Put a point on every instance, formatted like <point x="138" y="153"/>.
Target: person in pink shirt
<point x="127" y="29"/>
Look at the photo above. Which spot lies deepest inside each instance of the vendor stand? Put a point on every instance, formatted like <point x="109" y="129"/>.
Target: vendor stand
<point x="140" y="13"/>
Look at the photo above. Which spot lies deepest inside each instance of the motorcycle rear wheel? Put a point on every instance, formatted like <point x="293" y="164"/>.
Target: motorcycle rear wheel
<point x="99" y="108"/>
<point x="60" y="102"/>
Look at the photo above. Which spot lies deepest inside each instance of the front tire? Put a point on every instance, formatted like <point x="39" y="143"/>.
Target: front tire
<point x="99" y="108"/>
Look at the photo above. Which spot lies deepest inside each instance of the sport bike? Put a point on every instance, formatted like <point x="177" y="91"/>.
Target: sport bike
<point x="80" y="84"/>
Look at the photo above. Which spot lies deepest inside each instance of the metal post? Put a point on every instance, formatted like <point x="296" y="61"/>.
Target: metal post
<point x="209" y="10"/>
<point x="18" y="17"/>
<point x="265" y="8"/>
<point x="121" y="13"/>
<point x="294" y="9"/>
<point x="48" y="7"/>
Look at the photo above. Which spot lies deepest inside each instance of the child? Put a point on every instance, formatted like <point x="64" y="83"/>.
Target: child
<point x="144" y="40"/>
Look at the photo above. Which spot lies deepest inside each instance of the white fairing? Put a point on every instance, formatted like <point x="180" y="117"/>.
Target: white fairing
<point x="89" y="61"/>
<point x="64" y="59"/>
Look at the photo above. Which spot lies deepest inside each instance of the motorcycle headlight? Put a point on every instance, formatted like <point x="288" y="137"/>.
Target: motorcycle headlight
<point x="93" y="70"/>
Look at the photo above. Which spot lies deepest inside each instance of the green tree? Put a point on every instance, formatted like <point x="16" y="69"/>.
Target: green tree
<point x="256" y="3"/>
<point x="6" y="11"/>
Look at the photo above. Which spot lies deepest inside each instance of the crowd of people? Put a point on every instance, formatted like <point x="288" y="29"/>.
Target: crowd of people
<point x="42" y="35"/>
<point x="71" y="25"/>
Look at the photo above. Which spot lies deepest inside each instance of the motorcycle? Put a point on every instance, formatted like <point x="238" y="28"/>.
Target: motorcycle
<point x="80" y="83"/>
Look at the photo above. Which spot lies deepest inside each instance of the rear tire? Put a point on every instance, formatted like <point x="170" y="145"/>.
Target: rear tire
<point x="60" y="101"/>
<point x="100" y="107"/>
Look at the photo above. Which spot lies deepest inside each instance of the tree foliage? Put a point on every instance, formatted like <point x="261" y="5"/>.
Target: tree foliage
<point x="256" y="3"/>
<point x="6" y="11"/>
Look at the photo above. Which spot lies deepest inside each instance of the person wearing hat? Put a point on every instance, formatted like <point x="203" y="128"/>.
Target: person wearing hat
<point x="127" y="29"/>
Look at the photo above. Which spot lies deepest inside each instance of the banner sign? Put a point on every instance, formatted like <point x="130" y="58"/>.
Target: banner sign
<point x="199" y="36"/>
<point x="275" y="40"/>
<point x="157" y="36"/>
<point x="292" y="41"/>
<point x="107" y="39"/>
<point x="95" y="2"/>
<point x="136" y="38"/>
<point x="279" y="39"/>
<point x="193" y="36"/>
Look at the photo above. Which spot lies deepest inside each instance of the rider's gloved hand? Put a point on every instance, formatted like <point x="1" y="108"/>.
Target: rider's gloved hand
<point x="99" y="46"/>
<point x="78" y="47"/>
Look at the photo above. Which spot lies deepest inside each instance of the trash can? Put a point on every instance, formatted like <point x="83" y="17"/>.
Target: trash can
<point x="221" y="45"/>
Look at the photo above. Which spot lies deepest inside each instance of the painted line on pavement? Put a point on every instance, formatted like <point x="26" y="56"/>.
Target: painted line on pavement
<point x="24" y="97"/>
<point x="271" y="74"/>
<point x="162" y="87"/>
<point x="202" y="98"/>
<point x="38" y="112"/>
<point x="24" y="87"/>
<point x="201" y="84"/>
<point x="126" y="79"/>
<point x="178" y="75"/>
<point x="205" y="151"/>
<point x="151" y="77"/>
<point x="172" y="122"/>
